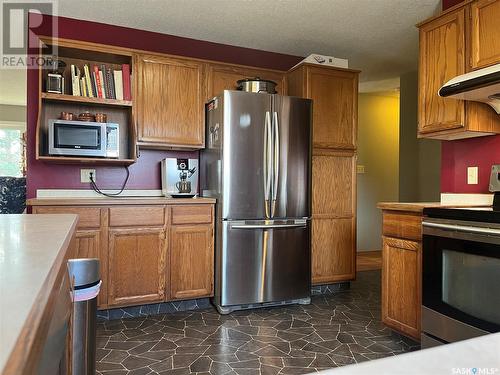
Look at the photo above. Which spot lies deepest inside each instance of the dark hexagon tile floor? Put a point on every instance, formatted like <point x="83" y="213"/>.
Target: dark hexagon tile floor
<point x="335" y="330"/>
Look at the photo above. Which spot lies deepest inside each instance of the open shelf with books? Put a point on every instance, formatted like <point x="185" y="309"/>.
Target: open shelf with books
<point x="91" y="81"/>
<point x="82" y="99"/>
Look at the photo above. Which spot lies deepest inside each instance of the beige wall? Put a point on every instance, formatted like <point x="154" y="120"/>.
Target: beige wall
<point x="378" y="152"/>
<point x="14" y="113"/>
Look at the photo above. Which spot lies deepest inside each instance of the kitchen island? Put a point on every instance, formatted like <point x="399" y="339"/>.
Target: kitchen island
<point x="33" y="253"/>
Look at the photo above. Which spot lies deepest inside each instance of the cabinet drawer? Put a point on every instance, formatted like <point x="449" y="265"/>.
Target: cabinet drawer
<point x="402" y="225"/>
<point x="137" y="216"/>
<point x="88" y="217"/>
<point x="192" y="214"/>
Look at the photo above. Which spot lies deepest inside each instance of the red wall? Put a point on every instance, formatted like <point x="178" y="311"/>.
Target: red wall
<point x="456" y="156"/>
<point x="145" y="173"/>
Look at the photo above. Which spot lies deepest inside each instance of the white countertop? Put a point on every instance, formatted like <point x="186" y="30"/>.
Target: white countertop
<point x="29" y="247"/>
<point x="480" y="353"/>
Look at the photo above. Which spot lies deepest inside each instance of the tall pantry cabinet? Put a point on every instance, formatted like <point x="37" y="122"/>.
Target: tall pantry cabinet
<point x="334" y="92"/>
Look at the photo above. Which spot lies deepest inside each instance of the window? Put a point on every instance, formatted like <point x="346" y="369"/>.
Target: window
<point x="11" y="151"/>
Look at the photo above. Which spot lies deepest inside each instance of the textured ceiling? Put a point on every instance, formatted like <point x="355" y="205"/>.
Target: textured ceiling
<point x="377" y="36"/>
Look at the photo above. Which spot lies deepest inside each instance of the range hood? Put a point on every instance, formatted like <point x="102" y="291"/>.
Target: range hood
<point x="481" y="85"/>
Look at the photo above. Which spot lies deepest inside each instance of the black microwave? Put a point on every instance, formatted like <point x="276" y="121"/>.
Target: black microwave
<point x="83" y="138"/>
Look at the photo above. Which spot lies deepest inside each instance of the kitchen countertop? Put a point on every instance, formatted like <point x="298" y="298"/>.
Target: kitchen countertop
<point x="33" y="249"/>
<point x="480" y="353"/>
<point x="105" y="201"/>
<point x="414" y="206"/>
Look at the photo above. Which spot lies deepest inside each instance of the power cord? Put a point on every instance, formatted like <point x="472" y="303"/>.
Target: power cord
<point x="111" y="195"/>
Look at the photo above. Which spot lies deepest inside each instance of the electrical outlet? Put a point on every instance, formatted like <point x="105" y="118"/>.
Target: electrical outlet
<point x="472" y="175"/>
<point x="85" y="175"/>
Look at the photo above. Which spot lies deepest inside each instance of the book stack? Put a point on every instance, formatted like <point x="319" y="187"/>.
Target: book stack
<point x="101" y="82"/>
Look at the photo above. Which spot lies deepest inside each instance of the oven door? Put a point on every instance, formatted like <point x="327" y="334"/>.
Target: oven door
<point x="461" y="279"/>
<point x="77" y="138"/>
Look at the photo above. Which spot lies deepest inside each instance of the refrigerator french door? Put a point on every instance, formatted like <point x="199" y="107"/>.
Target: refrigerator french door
<point x="257" y="165"/>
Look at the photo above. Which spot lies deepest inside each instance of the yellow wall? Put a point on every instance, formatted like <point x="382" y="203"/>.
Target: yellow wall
<point x="378" y="152"/>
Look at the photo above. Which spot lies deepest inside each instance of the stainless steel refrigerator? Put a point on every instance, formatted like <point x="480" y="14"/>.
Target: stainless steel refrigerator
<point x="257" y="164"/>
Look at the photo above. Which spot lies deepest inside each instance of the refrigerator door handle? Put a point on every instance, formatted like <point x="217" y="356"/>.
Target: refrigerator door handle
<point x="268" y="226"/>
<point x="267" y="161"/>
<point x="276" y="159"/>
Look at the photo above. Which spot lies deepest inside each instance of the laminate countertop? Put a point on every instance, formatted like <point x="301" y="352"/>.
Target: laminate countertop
<point x="105" y="201"/>
<point x="415" y="206"/>
<point x="33" y="248"/>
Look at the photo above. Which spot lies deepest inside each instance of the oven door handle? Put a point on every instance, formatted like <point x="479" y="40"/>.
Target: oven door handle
<point x="462" y="228"/>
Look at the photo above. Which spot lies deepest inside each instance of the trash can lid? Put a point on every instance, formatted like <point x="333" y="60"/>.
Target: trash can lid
<point x="85" y="271"/>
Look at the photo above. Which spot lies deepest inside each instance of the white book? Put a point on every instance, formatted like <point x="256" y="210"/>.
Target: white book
<point x="75" y="80"/>
<point x="118" y="84"/>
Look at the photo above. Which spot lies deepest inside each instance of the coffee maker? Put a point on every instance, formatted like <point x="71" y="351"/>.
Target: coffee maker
<point x="179" y="177"/>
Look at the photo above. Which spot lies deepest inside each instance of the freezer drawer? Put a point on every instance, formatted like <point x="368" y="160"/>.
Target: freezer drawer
<point x="264" y="261"/>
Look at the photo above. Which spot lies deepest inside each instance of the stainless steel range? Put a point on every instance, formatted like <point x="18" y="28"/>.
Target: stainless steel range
<point x="257" y="165"/>
<point x="461" y="271"/>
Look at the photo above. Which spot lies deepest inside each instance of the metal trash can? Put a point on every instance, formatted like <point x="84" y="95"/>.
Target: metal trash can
<point x="87" y="283"/>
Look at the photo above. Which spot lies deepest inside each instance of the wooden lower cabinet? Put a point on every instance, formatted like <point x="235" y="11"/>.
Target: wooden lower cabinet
<point x="136" y="266"/>
<point x="333" y="250"/>
<point x="401" y="285"/>
<point x="191" y="261"/>
<point x="87" y="244"/>
<point x="148" y="253"/>
<point x="402" y="268"/>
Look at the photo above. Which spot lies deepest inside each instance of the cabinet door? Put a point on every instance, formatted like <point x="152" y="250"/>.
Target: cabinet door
<point x="333" y="250"/>
<point x="169" y="102"/>
<point x="88" y="245"/>
<point x="442" y="57"/>
<point x="334" y="216"/>
<point x="333" y="184"/>
<point x="191" y="261"/>
<point x="224" y="77"/>
<point x="401" y="285"/>
<point x="485" y="33"/>
<point x="335" y="109"/>
<point x="137" y="259"/>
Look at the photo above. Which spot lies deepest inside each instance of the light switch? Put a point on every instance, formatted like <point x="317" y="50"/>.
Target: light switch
<point x="360" y="169"/>
<point x="472" y="175"/>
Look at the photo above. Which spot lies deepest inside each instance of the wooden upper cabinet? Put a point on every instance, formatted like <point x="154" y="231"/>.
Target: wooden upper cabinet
<point x="334" y="92"/>
<point x="462" y="38"/>
<point x="224" y="77"/>
<point x="485" y="33"/>
<point x="191" y="261"/>
<point x="169" y="102"/>
<point x="442" y="57"/>
<point x="137" y="259"/>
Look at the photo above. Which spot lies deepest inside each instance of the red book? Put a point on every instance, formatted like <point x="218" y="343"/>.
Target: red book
<point x="98" y="81"/>
<point x="127" y="93"/>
